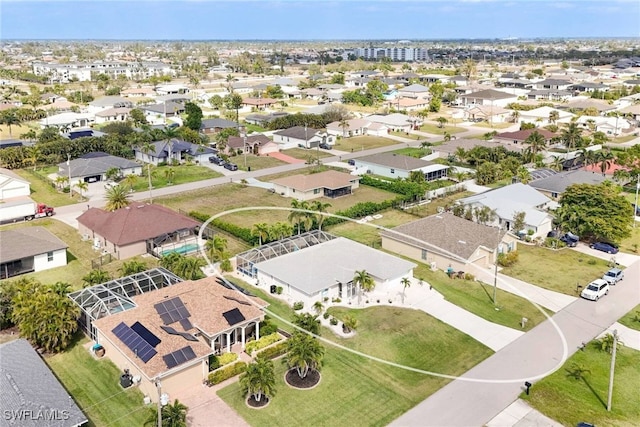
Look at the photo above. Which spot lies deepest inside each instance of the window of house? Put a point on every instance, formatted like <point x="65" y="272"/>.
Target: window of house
<point x="424" y="254"/>
<point x="393" y="171"/>
<point x="316" y="191"/>
<point x="554" y="195"/>
<point x="49" y="256"/>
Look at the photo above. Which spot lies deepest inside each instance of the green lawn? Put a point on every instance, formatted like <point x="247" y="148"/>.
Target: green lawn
<point x="569" y="400"/>
<point x="632" y="318"/>
<point x="431" y="208"/>
<point x="413" y="152"/>
<point x="369" y="235"/>
<point x="488" y="125"/>
<point x="253" y="128"/>
<point x="304" y="154"/>
<point x="41" y="189"/>
<point x="563" y="269"/>
<point x="183" y="174"/>
<point x="360" y="143"/>
<point x="79" y="255"/>
<point x="625" y="138"/>
<point x="632" y="243"/>
<point x="94" y="385"/>
<point x="406" y="135"/>
<point x="355" y="391"/>
<point x="255" y="162"/>
<point x="437" y="130"/>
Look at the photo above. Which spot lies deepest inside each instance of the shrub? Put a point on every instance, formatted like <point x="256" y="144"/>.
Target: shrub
<point x="214" y="363"/>
<point x="592" y="262"/>
<point x="469" y="276"/>
<point x="336" y="300"/>
<point x="325" y="315"/>
<point x="267" y="328"/>
<point x="222" y="374"/>
<point x="279" y="290"/>
<point x="263" y="342"/>
<point x="225" y="265"/>
<point x="333" y="321"/>
<point x="274" y="351"/>
<point x="227" y="358"/>
<point x="298" y="305"/>
<point x="506" y="260"/>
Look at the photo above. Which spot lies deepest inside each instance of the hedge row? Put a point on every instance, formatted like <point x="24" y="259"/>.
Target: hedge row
<point x="406" y="188"/>
<point x="222" y="374"/>
<point x="263" y="342"/>
<point x="274" y="351"/>
<point x="239" y="232"/>
<point x="362" y="209"/>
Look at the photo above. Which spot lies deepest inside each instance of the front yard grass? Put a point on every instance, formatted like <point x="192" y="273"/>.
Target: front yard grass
<point x="413" y="152"/>
<point x="556" y="270"/>
<point x="182" y="175"/>
<point x="632" y="318"/>
<point x="356" y="391"/>
<point x="255" y="162"/>
<point x="406" y="135"/>
<point x="435" y="129"/>
<point x="488" y="125"/>
<point x="94" y="385"/>
<point x="632" y="243"/>
<point x="360" y="143"/>
<point x="304" y="153"/>
<point x="569" y="400"/>
<point x="43" y="192"/>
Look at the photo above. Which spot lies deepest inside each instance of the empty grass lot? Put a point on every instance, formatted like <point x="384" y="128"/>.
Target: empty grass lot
<point x="182" y="175"/>
<point x="94" y="385"/>
<point x="570" y="400"/>
<point x="359" y="143"/>
<point x="304" y="154"/>
<point x="435" y="129"/>
<point x="632" y="318"/>
<point x="367" y="234"/>
<point x="406" y="135"/>
<point x="79" y="255"/>
<point x="356" y="391"/>
<point x="255" y="162"/>
<point x="413" y="152"/>
<point x="558" y="271"/>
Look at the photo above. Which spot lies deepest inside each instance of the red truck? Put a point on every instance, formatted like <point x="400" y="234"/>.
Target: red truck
<point x="24" y="210"/>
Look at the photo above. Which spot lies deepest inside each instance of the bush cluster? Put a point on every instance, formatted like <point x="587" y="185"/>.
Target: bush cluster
<point x="263" y="342"/>
<point x="298" y="305"/>
<point x="216" y="377"/>
<point x="274" y="351"/>
<point x="507" y="260"/>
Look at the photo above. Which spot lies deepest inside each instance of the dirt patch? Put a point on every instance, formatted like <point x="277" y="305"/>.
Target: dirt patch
<point x="310" y="381"/>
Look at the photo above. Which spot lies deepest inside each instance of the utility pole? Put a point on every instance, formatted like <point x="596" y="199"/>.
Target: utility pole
<point x="495" y="272"/>
<point x="69" y="170"/>
<point x="159" y="386"/>
<point x="635" y="207"/>
<point x="613" y="368"/>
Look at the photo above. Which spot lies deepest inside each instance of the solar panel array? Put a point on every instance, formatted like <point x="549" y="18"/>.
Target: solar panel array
<point x="172" y="310"/>
<point x="185" y="335"/>
<point x="186" y="324"/>
<point x="179" y="357"/>
<point x="233" y="316"/>
<point x="134" y="342"/>
<point x="146" y="334"/>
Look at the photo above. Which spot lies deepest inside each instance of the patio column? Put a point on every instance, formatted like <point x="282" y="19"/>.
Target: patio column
<point x="243" y="336"/>
<point x="228" y="342"/>
<point x="257" y="330"/>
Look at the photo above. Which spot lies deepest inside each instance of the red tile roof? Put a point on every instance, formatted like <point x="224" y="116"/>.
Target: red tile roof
<point x="135" y="223"/>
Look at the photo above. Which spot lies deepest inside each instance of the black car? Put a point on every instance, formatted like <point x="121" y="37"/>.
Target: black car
<point x="325" y="146"/>
<point x="214" y="159"/>
<point x="570" y="239"/>
<point x="231" y="166"/>
<point x="352" y="162"/>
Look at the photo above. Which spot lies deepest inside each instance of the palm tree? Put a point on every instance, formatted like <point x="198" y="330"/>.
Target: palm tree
<point x="132" y="267"/>
<point x="364" y="282"/>
<point x="447" y="137"/>
<point x="61" y="288"/>
<point x="130" y="180"/>
<point x="296" y="216"/>
<point x="523" y="175"/>
<point x="349" y="323"/>
<point x="320" y="207"/>
<point x="308" y="322"/>
<point x="33" y="154"/>
<point x="318" y="307"/>
<point x="557" y="163"/>
<point x="259" y="379"/>
<point x="216" y="248"/>
<point x="169" y="174"/>
<point x="460" y="154"/>
<point x="117" y="198"/>
<point x="95" y="277"/>
<point x="571" y="136"/>
<point x="536" y="142"/>
<point x="442" y="121"/>
<point x="169" y="134"/>
<point x="554" y="115"/>
<point x="304" y="353"/>
<point x="515" y="115"/>
<point x="606" y="159"/>
<point x="10" y="118"/>
<point x="606" y="343"/>
<point x="344" y="124"/>
<point x="82" y="186"/>
<point x="261" y="231"/>
<point x="406" y="283"/>
<point x="586" y="157"/>
<point x="189" y="268"/>
<point x="173" y="415"/>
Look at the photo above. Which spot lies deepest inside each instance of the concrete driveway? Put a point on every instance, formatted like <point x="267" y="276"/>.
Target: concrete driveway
<point x="621" y="258"/>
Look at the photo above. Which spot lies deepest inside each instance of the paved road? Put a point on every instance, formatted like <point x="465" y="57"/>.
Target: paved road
<point x="464" y="403"/>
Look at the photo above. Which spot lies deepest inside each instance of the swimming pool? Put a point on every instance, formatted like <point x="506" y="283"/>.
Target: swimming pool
<point x="184" y="249"/>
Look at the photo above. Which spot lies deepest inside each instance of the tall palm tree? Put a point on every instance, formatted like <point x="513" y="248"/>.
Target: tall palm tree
<point x="515" y="115"/>
<point x="364" y="282"/>
<point x="117" y="198"/>
<point x="536" y="142"/>
<point x="168" y="135"/>
<point x="554" y="115"/>
<point x="147" y="148"/>
<point x="606" y="159"/>
<point x="33" y="154"/>
<point x="259" y="379"/>
<point x="586" y="157"/>
<point x="295" y="216"/>
<point x="320" y="207"/>
<point x="571" y="136"/>
<point x="216" y="248"/>
<point x="442" y="121"/>
<point x="344" y="124"/>
<point x="130" y="180"/>
<point x="169" y="174"/>
<point x="304" y="353"/>
<point x="557" y="163"/>
<point x="10" y="118"/>
<point x="523" y="175"/>
<point x="406" y="283"/>
<point x="173" y="415"/>
<point x="460" y="154"/>
<point x="261" y="231"/>
<point x="82" y="187"/>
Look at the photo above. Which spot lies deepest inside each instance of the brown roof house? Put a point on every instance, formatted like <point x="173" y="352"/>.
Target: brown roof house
<point x="446" y="241"/>
<point x="137" y="229"/>
<point x="520" y="136"/>
<point x="29" y="249"/>
<point x="259" y="103"/>
<point x="330" y="184"/>
<point x="168" y="334"/>
<point x="257" y="144"/>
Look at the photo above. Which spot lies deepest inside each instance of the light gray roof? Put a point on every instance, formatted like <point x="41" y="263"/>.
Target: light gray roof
<point x="451" y="234"/>
<point x="393" y="160"/>
<point x="415" y="88"/>
<point x="111" y="101"/>
<point x="27" y="242"/>
<point x="489" y="94"/>
<point x="451" y="146"/>
<point x="559" y="182"/>
<point x="27" y="386"/>
<point x="319" y="267"/>
<point x="94" y="165"/>
<point x="218" y="123"/>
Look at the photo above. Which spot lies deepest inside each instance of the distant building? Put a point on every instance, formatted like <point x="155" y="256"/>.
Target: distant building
<point x="402" y="54"/>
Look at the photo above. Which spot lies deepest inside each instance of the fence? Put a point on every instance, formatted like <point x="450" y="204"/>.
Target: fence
<point x="445" y="191"/>
<point x="102" y="260"/>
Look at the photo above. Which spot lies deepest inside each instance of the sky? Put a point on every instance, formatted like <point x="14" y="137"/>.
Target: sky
<point x="316" y="19"/>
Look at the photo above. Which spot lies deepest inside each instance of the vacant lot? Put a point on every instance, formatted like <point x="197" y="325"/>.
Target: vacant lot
<point x="161" y="176"/>
<point x="559" y="270"/>
<point x="360" y="143"/>
<point x="230" y="196"/>
<point x="356" y="391"/>
<point x="94" y="385"/>
<point x="413" y="152"/>
<point x="368" y="235"/>
<point x="305" y="154"/>
<point x="255" y="162"/>
<point x="437" y="130"/>
<point x="570" y="398"/>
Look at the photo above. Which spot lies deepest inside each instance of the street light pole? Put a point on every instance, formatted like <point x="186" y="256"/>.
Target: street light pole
<point x="69" y="170"/>
<point x="635" y="207"/>
<point x="159" y="387"/>
<point x="613" y="367"/>
<point x="495" y="272"/>
<point x="244" y="148"/>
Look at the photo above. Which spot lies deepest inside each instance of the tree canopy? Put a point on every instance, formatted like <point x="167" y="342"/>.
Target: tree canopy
<point x="194" y="116"/>
<point x="596" y="212"/>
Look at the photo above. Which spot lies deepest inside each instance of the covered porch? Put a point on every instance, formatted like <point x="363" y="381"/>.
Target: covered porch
<point x="236" y="338"/>
<point x="337" y="192"/>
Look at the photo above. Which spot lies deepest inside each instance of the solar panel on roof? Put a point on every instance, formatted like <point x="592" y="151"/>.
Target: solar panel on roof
<point x="170" y="361"/>
<point x="233" y="316"/>
<point x="185" y="335"/>
<point x="179" y="357"/>
<point x="134" y="342"/>
<point x="146" y="334"/>
<point x="172" y="310"/>
<point x="186" y="324"/>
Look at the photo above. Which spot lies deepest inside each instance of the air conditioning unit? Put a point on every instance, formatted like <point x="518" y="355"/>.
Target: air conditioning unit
<point x="433" y="265"/>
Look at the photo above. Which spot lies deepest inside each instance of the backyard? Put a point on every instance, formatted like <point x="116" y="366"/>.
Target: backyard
<point x="570" y="396"/>
<point x="431" y="208"/>
<point x="356" y="391"/>
<point x="368" y="235"/>
<point x="563" y="270"/>
<point x="361" y="143"/>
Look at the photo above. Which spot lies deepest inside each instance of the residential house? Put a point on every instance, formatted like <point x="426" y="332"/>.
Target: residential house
<point x="137" y="229"/>
<point x="487" y="113"/>
<point x="449" y="148"/>
<point x="302" y="136"/>
<point x="392" y="165"/>
<point x="158" y="113"/>
<point x="553" y="84"/>
<point x="633" y="111"/>
<point x="445" y="241"/>
<point x="356" y="127"/>
<point x="329" y="184"/>
<point x="259" y="104"/>
<point x="520" y="136"/>
<point x="395" y="122"/>
<point x="608" y="125"/>
<point x="257" y="144"/>
<point x="174" y="150"/>
<point x="408" y="104"/>
<point x="120" y="114"/>
<point x="589" y="87"/>
<point x="549" y="95"/>
<point x="12" y="185"/>
<point x="68" y="120"/>
<point x="264" y="119"/>
<point x="541" y="116"/>
<point x="30" y="249"/>
<point x="140" y="92"/>
<point x="216" y="125"/>
<point x="414" y="91"/>
<point x="93" y="167"/>
<point x="553" y="186"/>
<point x="31" y="394"/>
<point x="488" y="97"/>
<point x="107" y="103"/>
<point x="507" y="201"/>
<point x="172" y="89"/>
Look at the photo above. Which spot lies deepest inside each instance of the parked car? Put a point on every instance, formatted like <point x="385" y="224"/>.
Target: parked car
<point x="595" y="290"/>
<point x="352" y="162"/>
<point x="325" y="146"/>
<point x="604" y="247"/>
<point x="214" y="159"/>
<point x="231" y="166"/>
<point x="110" y="184"/>
<point x="613" y="276"/>
<point x="570" y="239"/>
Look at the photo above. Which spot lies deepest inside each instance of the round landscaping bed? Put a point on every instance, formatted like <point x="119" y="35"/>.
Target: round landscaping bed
<point x="310" y="381"/>
<point x="253" y="403"/>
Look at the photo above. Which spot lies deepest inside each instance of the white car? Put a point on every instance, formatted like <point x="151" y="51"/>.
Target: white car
<point x="596" y="289"/>
<point x="110" y="184"/>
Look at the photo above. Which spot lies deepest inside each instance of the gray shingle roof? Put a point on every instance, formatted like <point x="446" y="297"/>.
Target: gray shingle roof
<point x="489" y="94"/>
<point x="29" y="388"/>
<point x="396" y="161"/>
<point x="448" y="232"/>
<point x="95" y="165"/>
<point x="298" y="132"/>
<point x="27" y="242"/>
<point x="559" y="182"/>
<point x="218" y="123"/>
